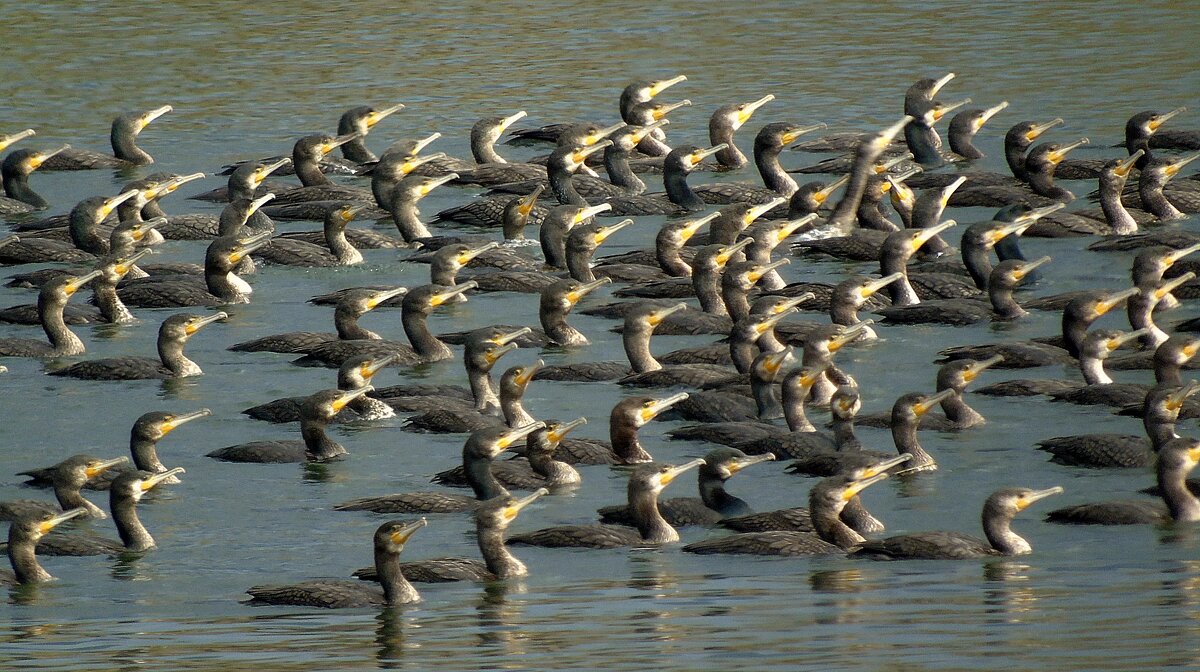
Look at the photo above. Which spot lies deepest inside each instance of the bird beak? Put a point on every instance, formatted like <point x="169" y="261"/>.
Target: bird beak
<point x="749" y="109"/>
<point x="200" y="323"/>
<point x="38" y="159"/>
<point x="1175" y="255"/>
<point x="259" y="202"/>
<point x="434" y="183"/>
<point x="505" y="339"/>
<point x="379" y="115"/>
<point x="1114" y="300"/>
<point x="519" y="433"/>
<point x="809" y="376"/>
<point x="100" y="467"/>
<point x="1123" y="168"/>
<point x="7" y="141"/>
<point x="1170" y="285"/>
<point x="379" y="297"/>
<point x="742" y="462"/>
<point x="527" y="374"/>
<point x="671" y="473"/>
<point x="1059" y="154"/>
<point x="775" y="361"/>
<point x="606" y="231"/>
<point x="922" y="407"/>
<point x="754" y="212"/>
<point x="937" y="85"/>
<point x="417" y="161"/>
<point x="580" y="155"/>
<point x="349" y="396"/>
<point x="664" y="84"/>
<point x="924" y="235"/>
<point x="327" y="147"/>
<point x="756" y="273"/>
<point x="1036" y="495"/>
<point x="1177" y="165"/>
<point x="527" y="202"/>
<point x="1028" y="267"/>
<point x="511" y="511"/>
<point x="1117" y="341"/>
<point x="559" y="431"/>
<point x="512" y="119"/>
<point x="881" y="467"/>
<point x="950" y="189"/>
<point x="402" y="535"/>
<point x="823" y="195"/>
<point x="493" y="355"/>
<point x="350" y="212"/>
<point x="369" y="370"/>
<point x="870" y="288"/>
<point x="591" y="211"/>
<point x="1175" y="401"/>
<point x="768" y="323"/>
<point x="442" y="297"/>
<point x="261" y="174"/>
<point x="728" y="251"/>
<point x="150" y="116"/>
<point x="81" y="281"/>
<point x="1161" y="119"/>
<point x="149" y="483"/>
<point x="248" y="245"/>
<point x="1036" y="132"/>
<point x="175" y="422"/>
<point x="659" y="405"/>
<point x="639" y="132"/>
<point x="852" y="489"/>
<point x="988" y="114"/>
<point x="693" y="226"/>
<point x="656" y="318"/>
<point x="701" y="154"/>
<point x="885" y="137"/>
<point x="940" y="111"/>
<point x="793" y="302"/>
<point x="176" y="182"/>
<point x="425" y="142"/>
<point x="792" y="134"/>
<point x="112" y="203"/>
<point x="661" y="111"/>
<point x="603" y="133"/>
<point x="123" y="266"/>
<point x="977" y="368"/>
<point x="848" y="335"/>
<point x="582" y="290"/>
<point x="50" y="523"/>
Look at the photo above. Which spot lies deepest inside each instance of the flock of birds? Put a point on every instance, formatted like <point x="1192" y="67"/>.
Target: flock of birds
<point x="724" y="282"/>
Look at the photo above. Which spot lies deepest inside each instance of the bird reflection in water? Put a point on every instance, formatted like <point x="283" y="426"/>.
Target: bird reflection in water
<point x="390" y="637"/>
<point x="1009" y="596"/>
<point x="501" y="619"/>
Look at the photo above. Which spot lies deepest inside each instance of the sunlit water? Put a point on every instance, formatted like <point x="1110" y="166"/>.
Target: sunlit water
<point x="247" y="80"/>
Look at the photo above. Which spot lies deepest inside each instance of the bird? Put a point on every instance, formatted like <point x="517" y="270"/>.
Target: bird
<point x="173" y="334"/>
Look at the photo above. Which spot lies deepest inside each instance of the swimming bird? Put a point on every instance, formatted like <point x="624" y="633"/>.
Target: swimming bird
<point x="173" y="335"/>
<point x="123" y="136"/>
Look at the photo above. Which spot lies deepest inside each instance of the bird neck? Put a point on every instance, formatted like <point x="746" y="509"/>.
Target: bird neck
<point x="24" y="560"/>
<point x="1160" y="428"/>
<point x="407" y="218"/>
<point x="484" y="150"/>
<point x="1139" y="308"/>
<point x="318" y="447"/>
<point x="706" y="283"/>
<point x="64" y="342"/>
<point x="716" y="498"/>
<point x="961" y="139"/>
<point x="226" y="286"/>
<point x="742" y="350"/>
<point x="495" y="553"/>
<point x="416" y="327"/>
<point x="1003" y="303"/>
<point x="553" y="239"/>
<point x="643" y="506"/>
<point x="957" y="409"/>
<point x="554" y="471"/>
<point x="653" y="145"/>
<point x="1093" y="371"/>
<point x="843" y="434"/>
<point x="870" y="216"/>
<point x="616" y="164"/>
<point x="924" y="143"/>
<point x="309" y="171"/>
<point x="667" y="254"/>
<point x="736" y="298"/>
<point x="482" y="390"/>
<point x="356" y="150"/>
<point x="997" y="527"/>
<point x="335" y="239"/>
<point x="564" y="188"/>
<point x="766" y="401"/>
<point x="483" y="482"/>
<point x="1015" y="146"/>
<point x="978" y="262"/>
<point x="170" y="351"/>
<point x="396" y="588"/>
<point x="901" y="292"/>
<point x="383" y="186"/>
<point x="133" y="534"/>
<point x="1111" y="187"/>
<point x="904" y="435"/>
<point x="16" y="185"/>
<point x="843" y="310"/>
<point x="624" y="438"/>
<point x="1041" y="180"/>
<point x="145" y="455"/>
<point x="637" y="350"/>
<point x="1150" y="188"/>
<point x="579" y="258"/>
<point x="1180" y="501"/>
<point x="766" y="159"/>
<point x="348" y="328"/>
<point x="109" y="302"/>
<point x="124" y="145"/>
<point x="512" y="407"/>
<point x="83" y="229"/>
<point x="1074" y="330"/>
<point x="844" y="212"/>
<point x="793" y="406"/>
<point x="69" y="497"/>
<point x="677" y="188"/>
<point x="828" y="524"/>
